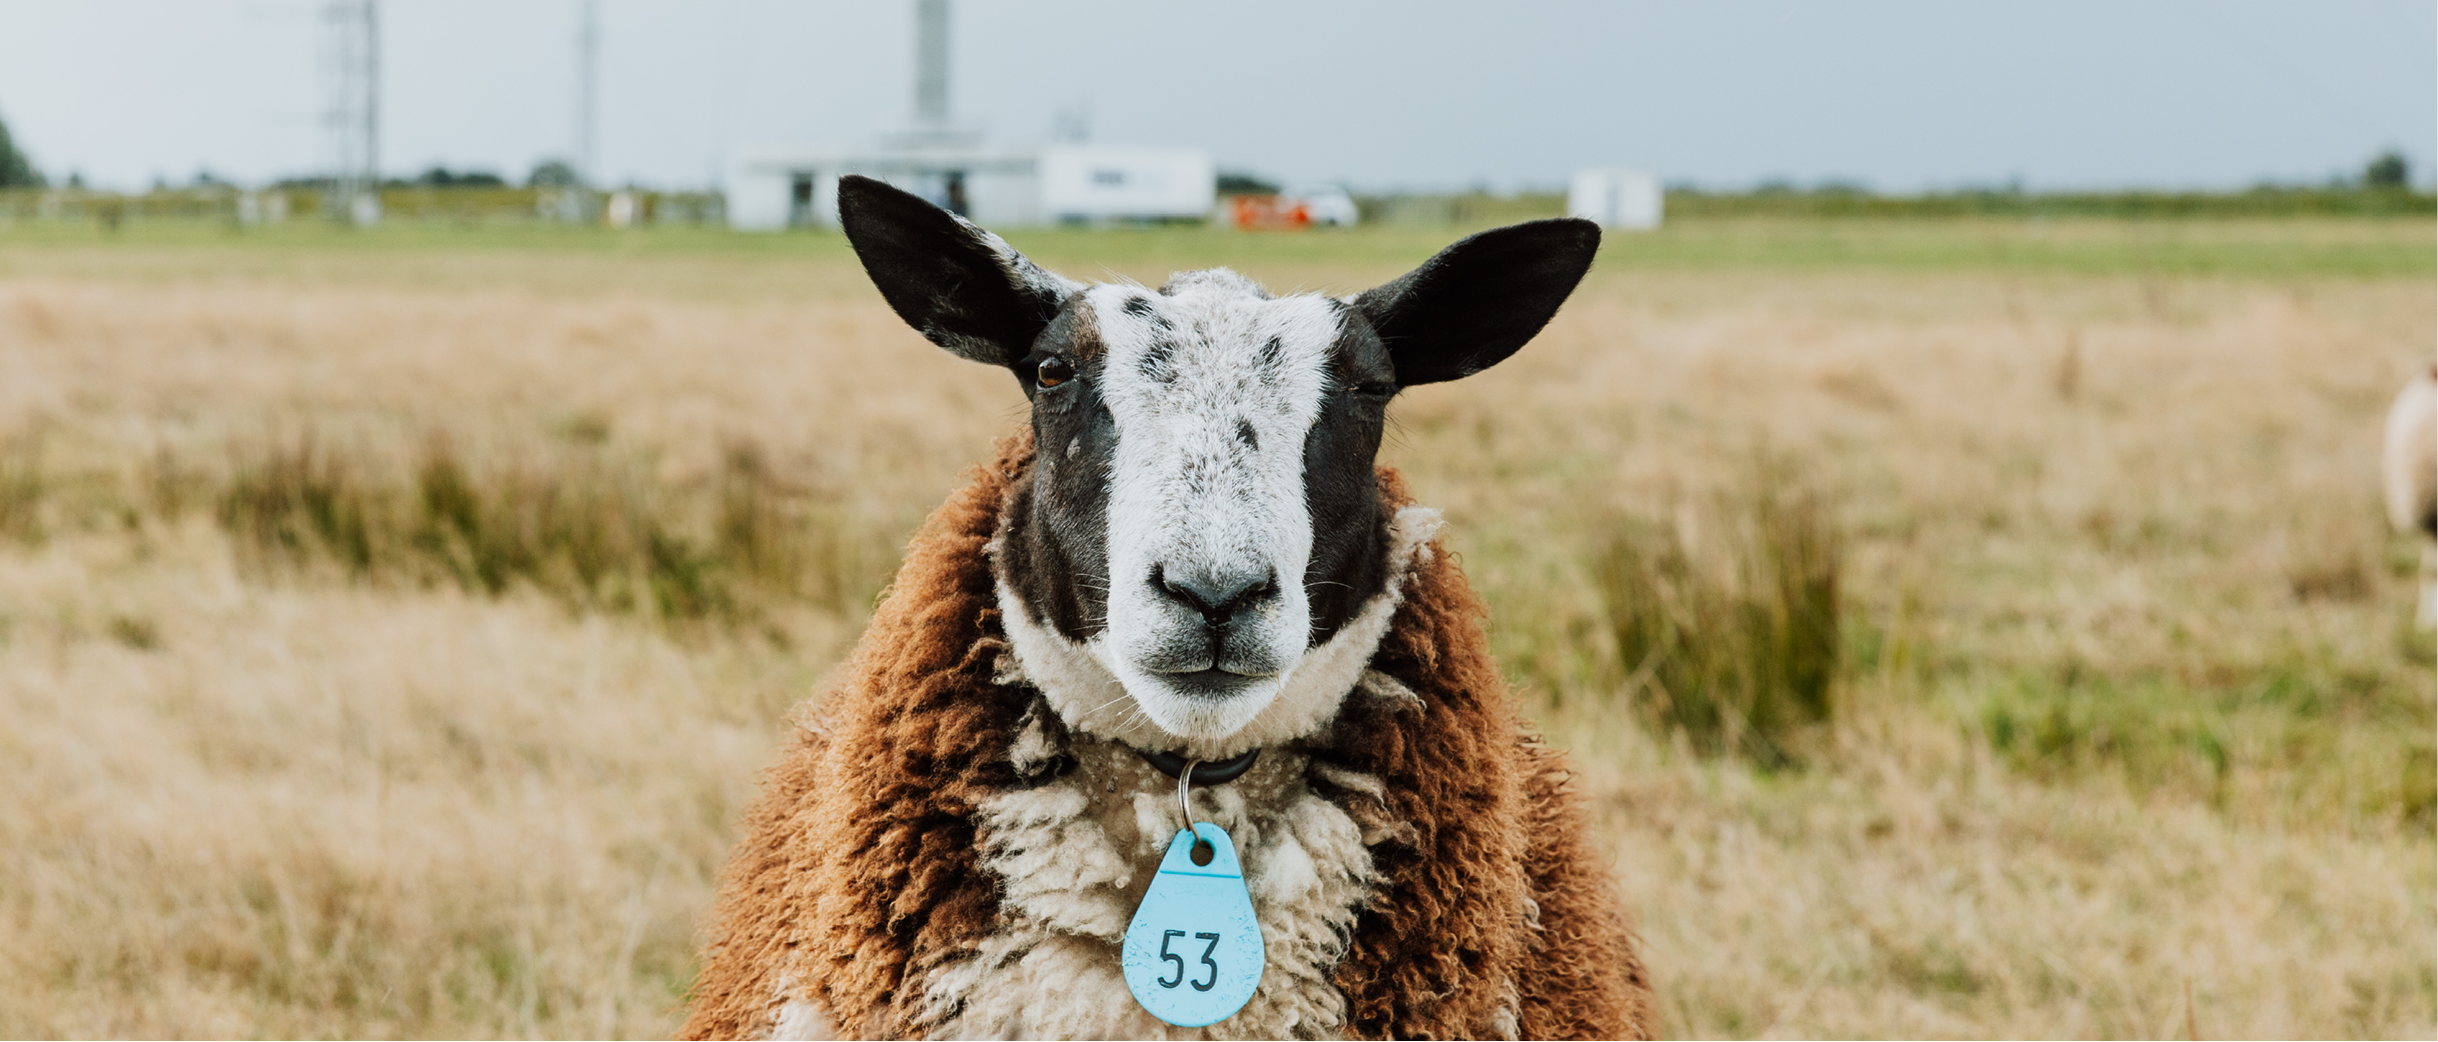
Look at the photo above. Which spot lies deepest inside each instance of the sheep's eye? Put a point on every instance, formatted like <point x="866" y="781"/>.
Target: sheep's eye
<point x="1378" y="392"/>
<point x="1054" y="371"/>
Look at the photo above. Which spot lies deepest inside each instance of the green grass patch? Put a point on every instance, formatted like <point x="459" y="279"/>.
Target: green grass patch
<point x="2285" y="247"/>
<point x="2350" y="742"/>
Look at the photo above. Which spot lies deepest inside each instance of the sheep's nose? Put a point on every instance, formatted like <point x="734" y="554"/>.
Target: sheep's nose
<point x="1217" y="596"/>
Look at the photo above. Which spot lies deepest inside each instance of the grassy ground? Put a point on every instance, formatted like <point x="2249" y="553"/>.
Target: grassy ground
<point x="2308" y="247"/>
<point x="2131" y="734"/>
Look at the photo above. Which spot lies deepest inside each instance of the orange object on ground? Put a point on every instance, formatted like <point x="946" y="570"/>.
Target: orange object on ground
<point x="1269" y="213"/>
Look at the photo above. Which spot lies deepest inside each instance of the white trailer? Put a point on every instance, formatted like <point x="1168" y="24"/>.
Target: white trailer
<point x="770" y="189"/>
<point x="1123" y="183"/>
<point x="1625" y="199"/>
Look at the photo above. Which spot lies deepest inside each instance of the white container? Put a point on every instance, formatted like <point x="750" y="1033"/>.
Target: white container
<point x="770" y="189"/>
<point x="1111" y="182"/>
<point x="1625" y="199"/>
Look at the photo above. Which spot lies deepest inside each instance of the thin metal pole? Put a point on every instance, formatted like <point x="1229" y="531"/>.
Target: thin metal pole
<point x="372" y="96"/>
<point x="588" y="42"/>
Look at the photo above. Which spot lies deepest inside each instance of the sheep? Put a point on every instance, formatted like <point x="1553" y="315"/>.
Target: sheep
<point x="2411" y="477"/>
<point x="1188" y="554"/>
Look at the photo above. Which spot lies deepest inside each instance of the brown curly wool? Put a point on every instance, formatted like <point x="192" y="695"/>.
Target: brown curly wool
<point x="858" y="865"/>
<point x="859" y="876"/>
<point x="1491" y="897"/>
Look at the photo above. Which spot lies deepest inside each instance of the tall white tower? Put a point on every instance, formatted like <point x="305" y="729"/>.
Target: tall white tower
<point x="931" y="64"/>
<point x="933" y="124"/>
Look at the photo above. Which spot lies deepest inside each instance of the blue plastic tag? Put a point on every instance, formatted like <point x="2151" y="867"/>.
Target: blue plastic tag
<point x="1193" y="954"/>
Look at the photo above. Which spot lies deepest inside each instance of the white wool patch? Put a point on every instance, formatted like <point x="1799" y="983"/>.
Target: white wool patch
<point x="1027" y="982"/>
<point x="1074" y="857"/>
<point x="1085" y="690"/>
<point x="1213" y="388"/>
<point x="1056" y="863"/>
<point x="801" y="1021"/>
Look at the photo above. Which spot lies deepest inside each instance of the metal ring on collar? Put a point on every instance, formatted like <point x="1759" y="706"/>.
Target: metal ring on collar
<point x="1185" y="806"/>
<point x="1202" y="851"/>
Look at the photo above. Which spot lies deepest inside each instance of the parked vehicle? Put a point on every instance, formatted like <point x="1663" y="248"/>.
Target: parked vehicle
<point x="1299" y="207"/>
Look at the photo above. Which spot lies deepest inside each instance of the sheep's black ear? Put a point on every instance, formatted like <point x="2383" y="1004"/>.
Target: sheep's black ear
<point x="1479" y="300"/>
<point x="964" y="288"/>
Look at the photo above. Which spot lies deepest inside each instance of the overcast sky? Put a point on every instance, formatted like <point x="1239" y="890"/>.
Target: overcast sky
<point x="1900" y="96"/>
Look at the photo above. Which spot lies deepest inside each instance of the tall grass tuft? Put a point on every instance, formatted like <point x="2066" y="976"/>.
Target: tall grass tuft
<point x="572" y="522"/>
<point x="1728" y="631"/>
<point x="578" y="521"/>
<point x="297" y="500"/>
<point x="21" y="489"/>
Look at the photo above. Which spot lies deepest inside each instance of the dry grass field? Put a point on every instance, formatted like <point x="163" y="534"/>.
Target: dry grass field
<point x="391" y="624"/>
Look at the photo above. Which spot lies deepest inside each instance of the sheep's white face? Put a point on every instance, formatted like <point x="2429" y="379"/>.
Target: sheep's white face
<point x="1212" y="392"/>
<point x="1202" y="511"/>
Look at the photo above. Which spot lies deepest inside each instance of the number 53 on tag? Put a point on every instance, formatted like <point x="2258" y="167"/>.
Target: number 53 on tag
<point x="1193" y="954"/>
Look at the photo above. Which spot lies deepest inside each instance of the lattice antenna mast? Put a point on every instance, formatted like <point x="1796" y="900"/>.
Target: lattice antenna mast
<point x="352" y="32"/>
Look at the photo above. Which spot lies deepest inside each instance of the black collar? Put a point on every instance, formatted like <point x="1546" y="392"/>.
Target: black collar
<point x="1205" y="773"/>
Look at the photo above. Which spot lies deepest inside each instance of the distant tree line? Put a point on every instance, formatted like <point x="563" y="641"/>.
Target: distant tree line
<point x="2384" y="187"/>
<point x="1237" y="182"/>
<point x="2388" y="171"/>
<point x="549" y="173"/>
<point x="2265" y="201"/>
<point x="16" y="170"/>
<point x="443" y="177"/>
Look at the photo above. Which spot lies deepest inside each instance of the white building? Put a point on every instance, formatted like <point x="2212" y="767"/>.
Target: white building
<point x="940" y="160"/>
<point x="770" y="189"/>
<point x="1627" y="199"/>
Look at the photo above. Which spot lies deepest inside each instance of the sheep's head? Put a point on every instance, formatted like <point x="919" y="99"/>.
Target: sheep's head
<point x="1202" y="510"/>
